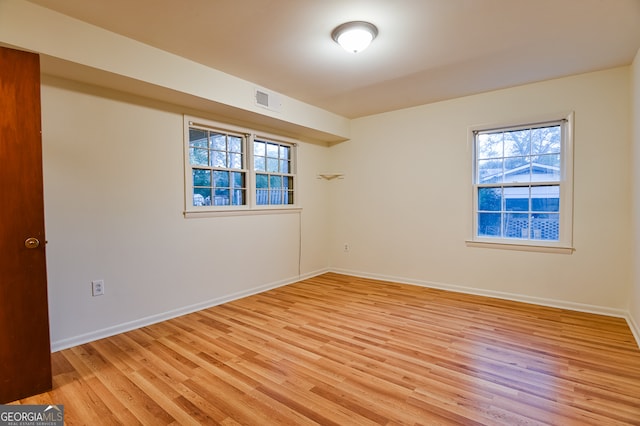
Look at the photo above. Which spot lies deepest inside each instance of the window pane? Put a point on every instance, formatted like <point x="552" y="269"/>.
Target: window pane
<point x="239" y="196"/>
<point x="219" y="141"/>
<point x="516" y="225"/>
<point x="276" y="197"/>
<point x="201" y="196"/>
<point x="262" y="196"/>
<point x="237" y="180"/>
<point x="546" y="140"/>
<point x="221" y="179"/>
<point x="546" y="168"/>
<point x="284" y="152"/>
<point x="272" y="150"/>
<point x="545" y="227"/>
<point x="201" y="177"/>
<point x="275" y="181"/>
<point x="489" y="171"/>
<point x="545" y="198"/>
<point x="199" y="156"/>
<point x="222" y="197"/>
<point x="235" y="144"/>
<point x="262" y="181"/>
<point x="517" y="143"/>
<point x="489" y="199"/>
<point x="517" y="169"/>
<point x="489" y="224"/>
<point x="489" y="145"/>
<point x="219" y="159"/>
<point x="287" y="182"/>
<point x="272" y="165"/>
<point x="288" y="197"/>
<point x="259" y="149"/>
<point x="516" y="199"/>
<point x="284" y="166"/>
<point x="259" y="164"/>
<point x="235" y="161"/>
<point x="198" y="138"/>
<point x="549" y="160"/>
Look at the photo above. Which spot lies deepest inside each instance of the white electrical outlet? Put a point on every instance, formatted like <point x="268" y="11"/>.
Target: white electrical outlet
<point x="97" y="288"/>
<point x="346" y="247"/>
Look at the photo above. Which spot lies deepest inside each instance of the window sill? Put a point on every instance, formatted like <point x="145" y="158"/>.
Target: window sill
<point x="520" y="247"/>
<point x="241" y="212"/>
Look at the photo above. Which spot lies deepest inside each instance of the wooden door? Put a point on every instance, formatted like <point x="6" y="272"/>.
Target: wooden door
<point x="25" y="351"/>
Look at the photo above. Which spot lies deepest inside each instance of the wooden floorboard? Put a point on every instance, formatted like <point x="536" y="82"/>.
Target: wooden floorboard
<point x="340" y="350"/>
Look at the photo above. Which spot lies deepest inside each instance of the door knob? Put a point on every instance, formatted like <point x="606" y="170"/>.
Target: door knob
<point x="32" y="243"/>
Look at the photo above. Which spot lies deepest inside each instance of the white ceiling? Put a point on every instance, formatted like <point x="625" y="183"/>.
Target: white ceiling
<point x="426" y="50"/>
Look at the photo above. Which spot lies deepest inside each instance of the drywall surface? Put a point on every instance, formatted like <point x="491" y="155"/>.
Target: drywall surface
<point x="405" y="204"/>
<point x="635" y="167"/>
<point x="114" y="201"/>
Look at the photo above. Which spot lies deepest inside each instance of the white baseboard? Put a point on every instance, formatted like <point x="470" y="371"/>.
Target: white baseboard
<point x="633" y="325"/>
<point x="552" y="303"/>
<point x="313" y="274"/>
<point x="61" y="344"/>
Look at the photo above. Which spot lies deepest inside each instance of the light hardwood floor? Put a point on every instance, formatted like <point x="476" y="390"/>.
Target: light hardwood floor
<point x="339" y="350"/>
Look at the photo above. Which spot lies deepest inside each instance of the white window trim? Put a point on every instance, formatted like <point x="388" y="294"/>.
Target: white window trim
<point x="251" y="208"/>
<point x="565" y="243"/>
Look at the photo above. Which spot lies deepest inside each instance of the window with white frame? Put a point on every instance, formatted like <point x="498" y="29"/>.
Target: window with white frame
<point x="272" y="163"/>
<point x="230" y="169"/>
<point x="523" y="179"/>
<point x="218" y="172"/>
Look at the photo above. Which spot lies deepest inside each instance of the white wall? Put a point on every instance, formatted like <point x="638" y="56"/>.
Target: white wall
<point x="114" y="199"/>
<point x="404" y="205"/>
<point x="635" y="126"/>
<point x="113" y="176"/>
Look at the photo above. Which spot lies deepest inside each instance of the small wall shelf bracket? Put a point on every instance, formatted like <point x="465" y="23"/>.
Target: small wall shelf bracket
<point x="330" y="176"/>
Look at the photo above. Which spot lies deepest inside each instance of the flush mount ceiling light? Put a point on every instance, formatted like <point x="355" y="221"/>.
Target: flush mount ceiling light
<point x="354" y="36"/>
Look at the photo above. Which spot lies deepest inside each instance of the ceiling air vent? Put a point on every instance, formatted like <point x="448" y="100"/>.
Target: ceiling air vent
<point x="268" y="100"/>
